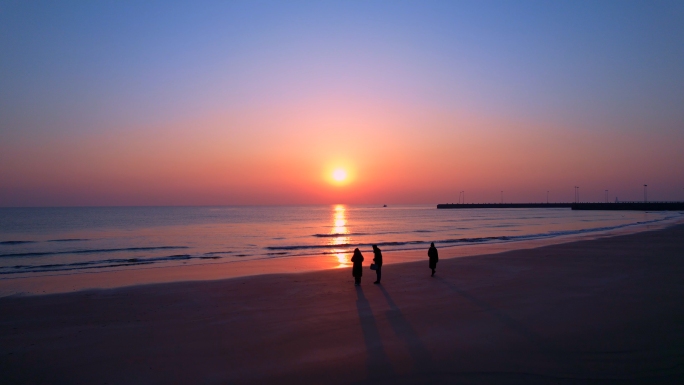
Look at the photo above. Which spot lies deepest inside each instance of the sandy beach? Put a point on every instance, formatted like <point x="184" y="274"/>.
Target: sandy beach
<point x="600" y="311"/>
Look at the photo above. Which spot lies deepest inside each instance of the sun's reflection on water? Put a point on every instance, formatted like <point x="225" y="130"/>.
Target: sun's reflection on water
<point x="341" y="236"/>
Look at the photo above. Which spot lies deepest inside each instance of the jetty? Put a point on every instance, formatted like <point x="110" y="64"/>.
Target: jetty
<point x="634" y="206"/>
<point x="502" y="205"/>
<point x="627" y="206"/>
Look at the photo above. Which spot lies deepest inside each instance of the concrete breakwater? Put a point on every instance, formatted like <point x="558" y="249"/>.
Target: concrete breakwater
<point x="502" y="205"/>
<point x="634" y="206"/>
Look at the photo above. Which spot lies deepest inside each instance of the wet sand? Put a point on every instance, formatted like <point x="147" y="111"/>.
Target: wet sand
<point x="607" y="311"/>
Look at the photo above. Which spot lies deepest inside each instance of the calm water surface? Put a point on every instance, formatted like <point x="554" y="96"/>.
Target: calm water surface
<point x="39" y="240"/>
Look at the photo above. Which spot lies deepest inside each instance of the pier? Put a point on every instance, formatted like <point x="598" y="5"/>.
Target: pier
<point x="633" y="206"/>
<point x="503" y="205"/>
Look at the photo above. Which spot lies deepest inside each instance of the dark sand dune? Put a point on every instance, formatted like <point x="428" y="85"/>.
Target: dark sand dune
<point x="608" y="311"/>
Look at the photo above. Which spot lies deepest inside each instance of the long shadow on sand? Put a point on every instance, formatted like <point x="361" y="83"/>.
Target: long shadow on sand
<point x="377" y="362"/>
<point x="402" y="328"/>
<point x="561" y="358"/>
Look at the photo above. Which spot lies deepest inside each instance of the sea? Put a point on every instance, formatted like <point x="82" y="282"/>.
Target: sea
<point x="74" y="240"/>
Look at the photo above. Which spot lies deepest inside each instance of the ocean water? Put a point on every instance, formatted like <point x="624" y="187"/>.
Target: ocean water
<point x="36" y="241"/>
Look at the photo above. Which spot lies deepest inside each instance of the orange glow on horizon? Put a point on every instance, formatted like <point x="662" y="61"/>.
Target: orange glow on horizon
<point x="290" y="157"/>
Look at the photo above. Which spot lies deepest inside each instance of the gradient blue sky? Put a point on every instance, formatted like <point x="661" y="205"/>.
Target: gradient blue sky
<point x="127" y="103"/>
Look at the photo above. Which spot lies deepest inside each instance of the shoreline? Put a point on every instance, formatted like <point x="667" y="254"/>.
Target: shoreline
<point x="599" y="311"/>
<point x="54" y="283"/>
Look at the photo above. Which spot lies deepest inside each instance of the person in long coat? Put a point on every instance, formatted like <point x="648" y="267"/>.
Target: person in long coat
<point x="357" y="268"/>
<point x="378" y="263"/>
<point x="432" y="254"/>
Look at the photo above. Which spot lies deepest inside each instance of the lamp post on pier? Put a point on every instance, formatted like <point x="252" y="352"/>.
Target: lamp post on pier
<point x="501" y="197"/>
<point x="547" y="197"/>
<point x="645" y="200"/>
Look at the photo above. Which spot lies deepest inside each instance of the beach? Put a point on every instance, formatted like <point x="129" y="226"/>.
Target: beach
<point x="183" y="189"/>
<point x="59" y="250"/>
<point x="607" y="310"/>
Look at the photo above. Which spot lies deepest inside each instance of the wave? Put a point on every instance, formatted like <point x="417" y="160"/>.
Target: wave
<point x="51" y="240"/>
<point x="459" y="241"/>
<point x="117" y="262"/>
<point x="335" y="235"/>
<point x="343" y="245"/>
<point x="413" y="241"/>
<point x="68" y="240"/>
<point x="90" y="251"/>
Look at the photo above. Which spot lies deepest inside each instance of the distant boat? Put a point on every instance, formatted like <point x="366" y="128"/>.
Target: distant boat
<point x="384" y="205"/>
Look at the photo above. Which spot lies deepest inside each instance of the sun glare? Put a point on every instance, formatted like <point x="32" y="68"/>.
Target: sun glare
<point x="339" y="175"/>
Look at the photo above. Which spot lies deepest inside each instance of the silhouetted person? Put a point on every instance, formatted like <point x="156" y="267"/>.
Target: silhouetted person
<point x="378" y="263"/>
<point x="357" y="268"/>
<point x="432" y="254"/>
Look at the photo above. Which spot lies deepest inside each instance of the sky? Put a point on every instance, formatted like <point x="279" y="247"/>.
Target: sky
<point x="108" y="103"/>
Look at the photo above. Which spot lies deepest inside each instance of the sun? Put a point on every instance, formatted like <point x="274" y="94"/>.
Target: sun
<point x="339" y="175"/>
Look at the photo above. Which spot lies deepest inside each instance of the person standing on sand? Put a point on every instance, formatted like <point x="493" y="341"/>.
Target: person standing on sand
<point x="432" y="254"/>
<point x="378" y="263"/>
<point x="357" y="268"/>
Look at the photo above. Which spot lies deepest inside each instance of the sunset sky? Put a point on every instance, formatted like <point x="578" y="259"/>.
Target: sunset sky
<point x="222" y="103"/>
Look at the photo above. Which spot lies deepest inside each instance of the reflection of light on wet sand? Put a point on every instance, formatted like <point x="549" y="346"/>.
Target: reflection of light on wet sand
<point x="341" y="255"/>
<point x="342" y="259"/>
<point x="340" y="222"/>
